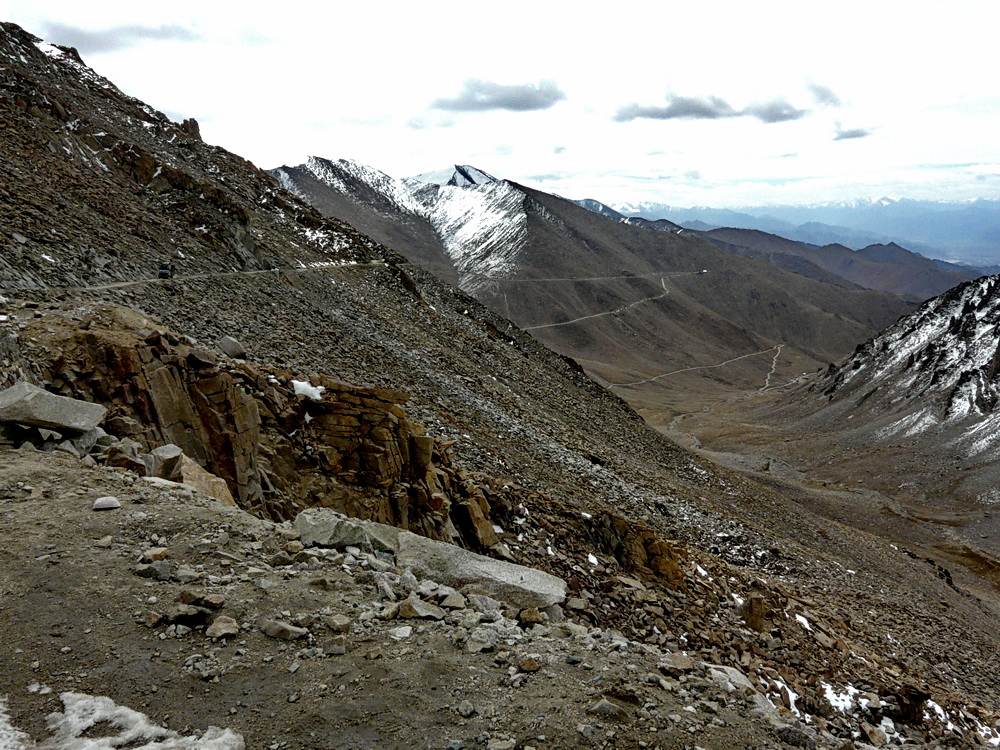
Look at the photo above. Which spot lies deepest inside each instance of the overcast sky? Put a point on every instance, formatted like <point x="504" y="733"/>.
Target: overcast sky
<point x="708" y="103"/>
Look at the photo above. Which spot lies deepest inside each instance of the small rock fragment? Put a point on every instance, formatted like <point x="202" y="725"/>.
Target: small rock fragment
<point x="153" y="554"/>
<point x="281" y="629"/>
<point x="401" y="634"/>
<point x="223" y="627"/>
<point x="529" y="664"/>
<point x="339" y="623"/>
<point x="109" y="502"/>
<point x="607" y="709"/>
<point x="415" y="608"/>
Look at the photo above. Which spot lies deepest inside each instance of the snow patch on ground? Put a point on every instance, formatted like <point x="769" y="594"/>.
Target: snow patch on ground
<point x="118" y="726"/>
<point x="842" y="701"/>
<point x="11" y="738"/>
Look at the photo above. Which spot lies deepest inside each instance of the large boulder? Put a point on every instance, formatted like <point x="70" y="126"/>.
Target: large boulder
<point x="327" y="528"/>
<point x="28" y="404"/>
<point x="189" y="472"/>
<point x="162" y="461"/>
<point x="453" y="566"/>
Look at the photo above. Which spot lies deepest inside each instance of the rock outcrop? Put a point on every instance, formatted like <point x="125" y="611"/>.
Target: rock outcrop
<point x="280" y="442"/>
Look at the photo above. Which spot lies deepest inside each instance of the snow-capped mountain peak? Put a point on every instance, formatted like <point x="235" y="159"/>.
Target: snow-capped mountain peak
<point x="456" y="176"/>
<point x="479" y="220"/>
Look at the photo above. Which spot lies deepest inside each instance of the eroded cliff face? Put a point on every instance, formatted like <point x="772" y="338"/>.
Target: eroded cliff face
<point x="282" y="442"/>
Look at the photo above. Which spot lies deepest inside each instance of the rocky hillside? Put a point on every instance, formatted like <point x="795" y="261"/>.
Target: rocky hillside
<point x="652" y="313"/>
<point x="890" y="268"/>
<point x="928" y="383"/>
<point x="311" y="371"/>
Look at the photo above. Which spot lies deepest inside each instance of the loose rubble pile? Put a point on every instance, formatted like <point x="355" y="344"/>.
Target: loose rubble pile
<point x="334" y="615"/>
<point x="693" y="625"/>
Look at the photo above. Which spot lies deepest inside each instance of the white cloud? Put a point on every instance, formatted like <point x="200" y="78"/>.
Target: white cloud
<point x="275" y="83"/>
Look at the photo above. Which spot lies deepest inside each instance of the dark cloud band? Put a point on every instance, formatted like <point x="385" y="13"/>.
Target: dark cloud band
<point x="480" y="96"/>
<point x="710" y="108"/>
<point x="845" y="135"/>
<point x="116" y="37"/>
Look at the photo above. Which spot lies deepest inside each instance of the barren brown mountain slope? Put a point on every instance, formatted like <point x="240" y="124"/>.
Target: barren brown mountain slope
<point x="650" y="313"/>
<point x="671" y="565"/>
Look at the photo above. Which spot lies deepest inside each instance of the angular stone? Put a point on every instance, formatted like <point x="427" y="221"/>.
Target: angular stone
<point x="607" y="709"/>
<point x="232" y="347"/>
<point x="280" y="629"/>
<point x="161" y="570"/>
<point x="401" y="634"/>
<point x="85" y="442"/>
<point x="674" y="665"/>
<point x="339" y="645"/>
<point x="413" y="608"/>
<point x="339" y="623"/>
<point x="185" y="614"/>
<point x="190" y="473"/>
<point x="454" y="601"/>
<point x="327" y="528"/>
<point x="29" y="404"/>
<point x="125" y="454"/>
<point x="730" y="679"/>
<point x="223" y="627"/>
<point x="531" y="616"/>
<point x="453" y="566"/>
<point x="529" y="664"/>
<point x="162" y="461"/>
<point x="208" y="601"/>
<point x="109" y="502"/>
<point x="153" y="554"/>
<point x="482" y="639"/>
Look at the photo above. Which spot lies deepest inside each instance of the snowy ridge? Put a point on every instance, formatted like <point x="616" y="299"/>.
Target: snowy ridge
<point x="481" y="221"/>
<point x="333" y="173"/>
<point x="457" y="176"/>
<point x="482" y="227"/>
<point x="935" y="368"/>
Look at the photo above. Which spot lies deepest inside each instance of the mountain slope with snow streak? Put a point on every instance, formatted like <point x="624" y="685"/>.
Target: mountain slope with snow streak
<point x="934" y="373"/>
<point x="478" y="223"/>
<point x="482" y="227"/>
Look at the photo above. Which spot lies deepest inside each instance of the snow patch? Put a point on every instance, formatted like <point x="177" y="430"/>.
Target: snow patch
<point x="302" y="388"/>
<point x="119" y="727"/>
<point x="11" y="738"/>
<point x="842" y="701"/>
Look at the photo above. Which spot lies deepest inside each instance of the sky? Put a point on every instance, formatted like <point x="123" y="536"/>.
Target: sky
<point x="721" y="104"/>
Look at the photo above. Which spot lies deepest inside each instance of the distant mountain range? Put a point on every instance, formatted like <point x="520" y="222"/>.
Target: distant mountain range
<point x="890" y="267"/>
<point x="632" y="300"/>
<point x="960" y="232"/>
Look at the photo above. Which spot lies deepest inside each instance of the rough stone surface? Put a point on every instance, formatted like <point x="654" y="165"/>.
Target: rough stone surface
<point x="327" y="528"/>
<point x="223" y="626"/>
<point x="190" y="473"/>
<point x="28" y="404"/>
<point x="108" y="502"/>
<point x="162" y="461"/>
<point x="607" y="709"/>
<point x="281" y="629"/>
<point x="518" y="585"/>
<point x="232" y="347"/>
<point x="414" y="608"/>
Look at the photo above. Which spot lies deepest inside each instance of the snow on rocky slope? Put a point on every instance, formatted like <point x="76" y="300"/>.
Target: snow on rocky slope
<point x="935" y="371"/>
<point x="480" y="221"/>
